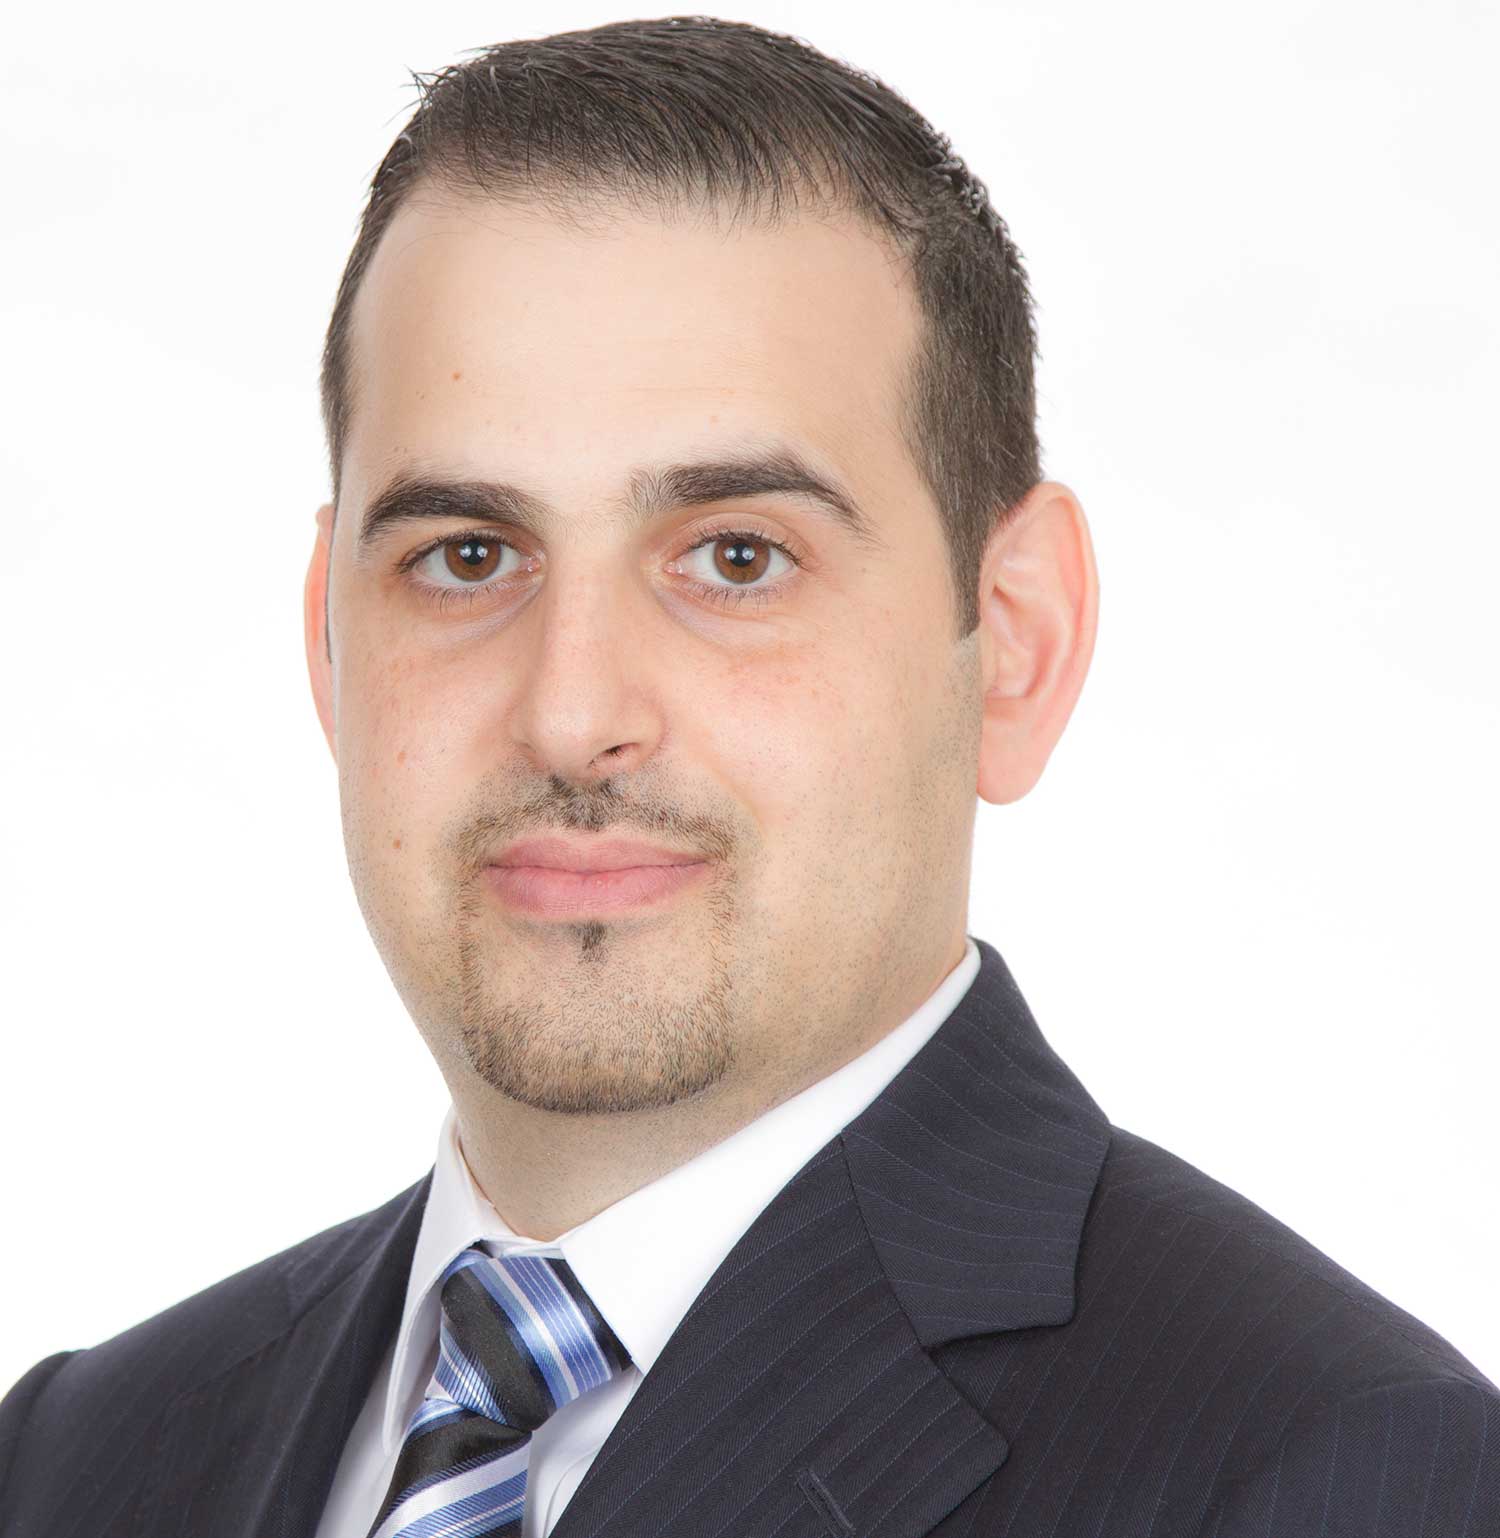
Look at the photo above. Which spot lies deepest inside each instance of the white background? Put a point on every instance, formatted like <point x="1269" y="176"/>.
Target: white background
<point x="1252" y="902"/>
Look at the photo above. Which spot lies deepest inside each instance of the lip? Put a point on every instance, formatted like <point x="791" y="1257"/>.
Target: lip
<point x="590" y="855"/>
<point x="574" y="878"/>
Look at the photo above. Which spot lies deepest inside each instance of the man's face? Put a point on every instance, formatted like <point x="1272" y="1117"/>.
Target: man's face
<point x="745" y="679"/>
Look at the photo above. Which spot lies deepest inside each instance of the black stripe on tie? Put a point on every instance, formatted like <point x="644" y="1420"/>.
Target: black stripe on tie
<point x="443" y="1450"/>
<point x="482" y="1330"/>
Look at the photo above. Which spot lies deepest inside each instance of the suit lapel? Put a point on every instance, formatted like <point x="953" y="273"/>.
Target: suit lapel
<point x="798" y="1397"/>
<point x="252" y="1450"/>
<point x="975" y="1169"/>
<point x="793" y="1399"/>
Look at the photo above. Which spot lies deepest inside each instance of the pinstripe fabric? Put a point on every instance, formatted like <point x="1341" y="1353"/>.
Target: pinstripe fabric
<point x="518" y="1339"/>
<point x="980" y="1312"/>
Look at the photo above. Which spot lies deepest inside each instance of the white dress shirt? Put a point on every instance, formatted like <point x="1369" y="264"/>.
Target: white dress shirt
<point x="643" y="1261"/>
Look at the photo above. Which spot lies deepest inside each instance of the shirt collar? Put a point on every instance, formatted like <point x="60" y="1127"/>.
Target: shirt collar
<point x="644" y="1259"/>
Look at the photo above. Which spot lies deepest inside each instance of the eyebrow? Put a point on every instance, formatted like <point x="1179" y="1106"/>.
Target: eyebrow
<point x="414" y="496"/>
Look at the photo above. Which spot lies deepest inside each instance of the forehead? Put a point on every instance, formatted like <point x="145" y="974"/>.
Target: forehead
<point x="491" y="338"/>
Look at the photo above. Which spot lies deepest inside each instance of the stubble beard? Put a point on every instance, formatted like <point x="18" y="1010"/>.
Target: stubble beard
<point x="605" y="1048"/>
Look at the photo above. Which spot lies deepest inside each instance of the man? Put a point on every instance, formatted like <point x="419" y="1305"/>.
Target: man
<point x="688" y="570"/>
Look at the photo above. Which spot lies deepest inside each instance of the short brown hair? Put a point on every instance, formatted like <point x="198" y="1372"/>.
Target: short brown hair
<point x="695" y="108"/>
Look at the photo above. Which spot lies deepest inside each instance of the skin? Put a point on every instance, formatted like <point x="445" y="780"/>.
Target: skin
<point x="823" y="745"/>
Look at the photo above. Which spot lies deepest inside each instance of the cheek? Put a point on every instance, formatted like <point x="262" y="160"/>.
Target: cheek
<point x="396" y="740"/>
<point x="805" y="744"/>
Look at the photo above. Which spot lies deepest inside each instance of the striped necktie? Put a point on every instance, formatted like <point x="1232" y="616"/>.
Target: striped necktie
<point x="519" y="1338"/>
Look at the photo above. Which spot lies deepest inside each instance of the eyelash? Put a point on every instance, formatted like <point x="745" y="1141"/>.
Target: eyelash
<point x="725" y="596"/>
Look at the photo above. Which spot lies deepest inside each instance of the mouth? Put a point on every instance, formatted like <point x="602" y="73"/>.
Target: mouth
<point x="547" y="892"/>
<point x="557" y="877"/>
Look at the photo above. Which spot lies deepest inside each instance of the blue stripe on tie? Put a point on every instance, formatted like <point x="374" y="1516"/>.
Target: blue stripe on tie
<point x="553" y="1301"/>
<point x="573" y="1337"/>
<point x="475" y="1512"/>
<point x="433" y="1412"/>
<point x="535" y="1281"/>
<point x="438" y="1476"/>
<point x="489" y="1521"/>
<point x="456" y="1380"/>
<point x="539" y="1346"/>
<point x="462" y="1379"/>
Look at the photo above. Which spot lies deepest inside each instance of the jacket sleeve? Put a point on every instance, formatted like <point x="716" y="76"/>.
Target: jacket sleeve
<point x="15" y="1409"/>
<point x="1409" y="1460"/>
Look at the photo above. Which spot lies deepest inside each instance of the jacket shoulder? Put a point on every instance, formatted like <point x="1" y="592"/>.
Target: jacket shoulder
<point x="1270" y="1380"/>
<point x="1221" y="1377"/>
<point x="181" y="1348"/>
<point x="1418" y="1457"/>
<point x="1243" y="1245"/>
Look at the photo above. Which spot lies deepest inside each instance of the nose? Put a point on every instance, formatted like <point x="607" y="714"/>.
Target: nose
<point x="587" y="708"/>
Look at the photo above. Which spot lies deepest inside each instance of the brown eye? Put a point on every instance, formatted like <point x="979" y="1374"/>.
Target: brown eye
<point x="472" y="560"/>
<point x="734" y="562"/>
<point x="741" y="560"/>
<point x="478" y="563"/>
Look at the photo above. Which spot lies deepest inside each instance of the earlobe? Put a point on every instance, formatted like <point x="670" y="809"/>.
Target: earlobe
<point x="315" y="625"/>
<point x="1039" y="602"/>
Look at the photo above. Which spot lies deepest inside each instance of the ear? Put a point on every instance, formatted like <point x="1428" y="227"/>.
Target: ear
<point x="315" y="624"/>
<point x="1038" y="610"/>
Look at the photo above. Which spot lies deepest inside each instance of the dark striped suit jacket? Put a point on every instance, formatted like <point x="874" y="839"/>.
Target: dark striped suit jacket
<point x="979" y="1312"/>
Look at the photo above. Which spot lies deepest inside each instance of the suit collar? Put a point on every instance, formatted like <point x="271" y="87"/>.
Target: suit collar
<point x="975" y="1168"/>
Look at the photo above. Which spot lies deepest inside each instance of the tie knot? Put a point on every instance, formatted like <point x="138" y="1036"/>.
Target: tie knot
<point x="520" y="1338"/>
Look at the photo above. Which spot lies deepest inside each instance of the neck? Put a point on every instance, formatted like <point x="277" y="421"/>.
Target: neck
<point x="546" y="1172"/>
